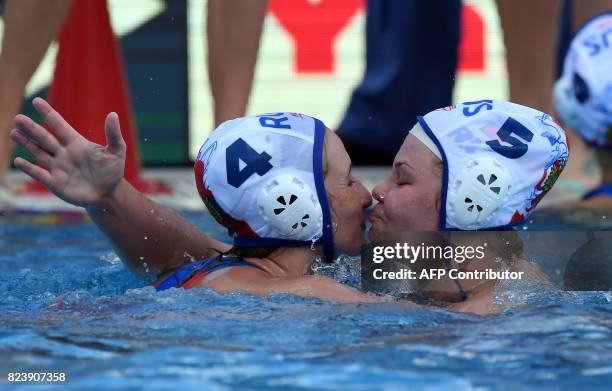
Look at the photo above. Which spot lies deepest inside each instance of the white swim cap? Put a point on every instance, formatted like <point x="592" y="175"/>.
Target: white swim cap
<point x="499" y="160"/>
<point x="583" y="94"/>
<point x="262" y="178"/>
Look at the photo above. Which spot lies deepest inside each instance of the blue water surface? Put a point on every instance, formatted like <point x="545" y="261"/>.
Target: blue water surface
<point x="69" y="305"/>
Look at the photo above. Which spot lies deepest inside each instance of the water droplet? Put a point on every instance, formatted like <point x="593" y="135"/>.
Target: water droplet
<point x="111" y="258"/>
<point x="151" y="78"/>
<point x="146" y="139"/>
<point x="141" y="258"/>
<point x="604" y="217"/>
<point x="146" y="237"/>
<point x="190" y="257"/>
<point x="152" y="211"/>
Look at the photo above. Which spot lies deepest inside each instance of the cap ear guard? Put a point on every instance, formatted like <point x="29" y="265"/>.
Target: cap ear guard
<point x="566" y="104"/>
<point x="581" y="89"/>
<point x="290" y="206"/>
<point x="481" y="188"/>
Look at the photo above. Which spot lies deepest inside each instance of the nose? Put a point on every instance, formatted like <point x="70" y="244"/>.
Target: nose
<point x="366" y="199"/>
<point x="379" y="192"/>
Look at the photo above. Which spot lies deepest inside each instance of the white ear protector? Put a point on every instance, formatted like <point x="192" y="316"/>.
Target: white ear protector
<point x="289" y="205"/>
<point x="480" y="189"/>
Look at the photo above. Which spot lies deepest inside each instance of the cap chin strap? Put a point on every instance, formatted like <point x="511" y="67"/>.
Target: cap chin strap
<point x="480" y="189"/>
<point x="290" y="206"/>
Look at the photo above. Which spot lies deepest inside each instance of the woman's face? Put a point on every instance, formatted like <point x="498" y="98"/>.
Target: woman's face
<point x="409" y="198"/>
<point x="347" y="197"/>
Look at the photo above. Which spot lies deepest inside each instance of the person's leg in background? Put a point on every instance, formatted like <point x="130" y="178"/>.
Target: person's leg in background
<point x="530" y="36"/>
<point x="585" y="10"/>
<point x="411" y="58"/>
<point x="29" y="28"/>
<point x="233" y="31"/>
<point x="530" y="29"/>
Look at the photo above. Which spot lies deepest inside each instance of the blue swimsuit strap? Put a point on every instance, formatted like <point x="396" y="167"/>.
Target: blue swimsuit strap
<point x="605" y="189"/>
<point x="208" y="265"/>
<point x="461" y="290"/>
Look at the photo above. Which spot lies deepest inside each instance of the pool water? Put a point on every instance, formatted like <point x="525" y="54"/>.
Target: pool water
<point x="69" y="305"/>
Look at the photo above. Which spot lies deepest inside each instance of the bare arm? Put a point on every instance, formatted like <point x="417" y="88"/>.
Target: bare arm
<point x="146" y="233"/>
<point x="253" y="281"/>
<point x="89" y="175"/>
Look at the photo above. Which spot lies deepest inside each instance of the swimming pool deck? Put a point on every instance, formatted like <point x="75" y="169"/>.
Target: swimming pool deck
<point x="186" y="198"/>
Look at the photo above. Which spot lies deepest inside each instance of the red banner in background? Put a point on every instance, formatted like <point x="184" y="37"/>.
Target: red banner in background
<point x="472" y="43"/>
<point x="314" y="28"/>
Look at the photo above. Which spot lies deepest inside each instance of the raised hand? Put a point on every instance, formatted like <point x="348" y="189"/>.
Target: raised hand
<point x="71" y="167"/>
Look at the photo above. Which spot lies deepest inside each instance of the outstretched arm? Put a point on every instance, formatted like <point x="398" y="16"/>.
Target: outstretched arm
<point x="148" y="236"/>
<point x="145" y="234"/>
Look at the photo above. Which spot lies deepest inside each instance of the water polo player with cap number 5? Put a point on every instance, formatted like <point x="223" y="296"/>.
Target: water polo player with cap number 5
<point x="483" y="165"/>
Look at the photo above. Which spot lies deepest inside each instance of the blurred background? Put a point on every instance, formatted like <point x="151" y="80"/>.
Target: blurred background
<point x="165" y="54"/>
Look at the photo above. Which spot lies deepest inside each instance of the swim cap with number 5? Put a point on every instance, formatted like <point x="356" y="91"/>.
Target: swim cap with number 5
<point x="499" y="158"/>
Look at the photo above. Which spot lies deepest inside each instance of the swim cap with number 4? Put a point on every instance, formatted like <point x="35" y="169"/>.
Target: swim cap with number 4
<point x="499" y="158"/>
<point x="262" y="178"/>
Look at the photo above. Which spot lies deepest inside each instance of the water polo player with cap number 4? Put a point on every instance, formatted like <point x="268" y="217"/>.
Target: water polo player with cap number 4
<point x="281" y="184"/>
<point x="276" y="182"/>
<point x="483" y="165"/>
